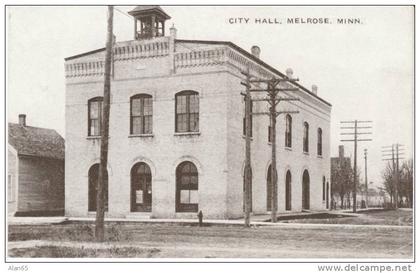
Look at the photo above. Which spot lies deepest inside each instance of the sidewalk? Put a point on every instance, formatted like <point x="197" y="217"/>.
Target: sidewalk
<point x="237" y="222"/>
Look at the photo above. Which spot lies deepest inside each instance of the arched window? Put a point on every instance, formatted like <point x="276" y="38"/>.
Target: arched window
<point x="250" y="189"/>
<point x="186" y="111"/>
<point x="288" y="190"/>
<point x="306" y="137"/>
<point x="323" y="188"/>
<point x="328" y="195"/>
<point x="141" y="114"/>
<point x="186" y="187"/>
<point x="269" y="188"/>
<point x="288" y="132"/>
<point x="141" y="188"/>
<point x="93" y="188"/>
<point x="319" y="146"/>
<point x="95" y="116"/>
<point x="305" y="191"/>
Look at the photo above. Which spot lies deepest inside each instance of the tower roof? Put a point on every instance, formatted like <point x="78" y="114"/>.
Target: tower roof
<point x="148" y="10"/>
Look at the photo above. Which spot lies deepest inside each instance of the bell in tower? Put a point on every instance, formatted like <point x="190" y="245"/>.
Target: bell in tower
<point x="149" y="22"/>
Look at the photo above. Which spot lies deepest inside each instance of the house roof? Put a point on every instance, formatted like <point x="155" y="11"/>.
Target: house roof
<point x="257" y="60"/>
<point x="34" y="141"/>
<point x="232" y="45"/>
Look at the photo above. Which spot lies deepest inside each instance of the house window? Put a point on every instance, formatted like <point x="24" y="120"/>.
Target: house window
<point x="186" y="187"/>
<point x="243" y="122"/>
<point x="95" y="116"/>
<point x="319" y="146"/>
<point x="288" y="132"/>
<point x="186" y="112"/>
<point x="306" y="137"/>
<point x="93" y="188"/>
<point x="141" y="121"/>
<point x="323" y="188"/>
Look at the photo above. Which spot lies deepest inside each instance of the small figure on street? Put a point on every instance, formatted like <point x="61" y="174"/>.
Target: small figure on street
<point x="200" y="218"/>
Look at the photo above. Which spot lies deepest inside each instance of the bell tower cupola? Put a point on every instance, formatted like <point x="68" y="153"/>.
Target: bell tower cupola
<point x="149" y="22"/>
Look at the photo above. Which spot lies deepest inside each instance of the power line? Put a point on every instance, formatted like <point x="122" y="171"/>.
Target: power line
<point x="273" y="99"/>
<point x="354" y="126"/>
<point x="124" y="13"/>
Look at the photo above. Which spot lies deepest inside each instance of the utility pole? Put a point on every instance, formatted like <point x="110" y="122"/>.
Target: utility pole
<point x="355" y="139"/>
<point x="366" y="180"/>
<point x="102" y="177"/>
<point x="396" y="153"/>
<point x="272" y="92"/>
<point x="248" y="171"/>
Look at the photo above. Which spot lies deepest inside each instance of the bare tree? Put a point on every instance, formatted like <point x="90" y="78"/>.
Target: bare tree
<point x="388" y="180"/>
<point x="406" y="187"/>
<point x="341" y="180"/>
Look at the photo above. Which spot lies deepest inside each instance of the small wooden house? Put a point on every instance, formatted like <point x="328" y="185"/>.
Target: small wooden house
<point x="35" y="177"/>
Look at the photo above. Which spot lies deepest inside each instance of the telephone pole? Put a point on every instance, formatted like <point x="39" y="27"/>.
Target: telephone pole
<point x="272" y="97"/>
<point x="354" y="125"/>
<point x="395" y="152"/>
<point x="248" y="171"/>
<point x="102" y="177"/>
<point x="366" y="180"/>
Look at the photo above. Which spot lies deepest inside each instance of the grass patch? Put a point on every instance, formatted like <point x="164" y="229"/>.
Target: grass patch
<point x="74" y="232"/>
<point x="368" y="217"/>
<point x="82" y="252"/>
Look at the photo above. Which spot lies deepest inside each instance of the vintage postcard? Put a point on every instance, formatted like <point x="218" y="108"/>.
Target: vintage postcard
<point x="210" y="134"/>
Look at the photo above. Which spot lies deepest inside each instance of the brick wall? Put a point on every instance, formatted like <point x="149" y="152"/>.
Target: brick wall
<point x="218" y="151"/>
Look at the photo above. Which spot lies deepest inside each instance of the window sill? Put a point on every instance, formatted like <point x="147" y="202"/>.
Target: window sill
<point x="288" y="148"/>
<point x="188" y="134"/>
<point x="319" y="156"/>
<point x="306" y="153"/>
<point x="140" y="135"/>
<point x="244" y="137"/>
<point x="93" y="137"/>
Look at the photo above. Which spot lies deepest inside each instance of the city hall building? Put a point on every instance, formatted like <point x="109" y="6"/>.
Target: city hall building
<point x="177" y="142"/>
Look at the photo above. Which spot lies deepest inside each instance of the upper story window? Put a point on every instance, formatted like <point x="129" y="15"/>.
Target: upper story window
<point x="306" y="137"/>
<point x="186" y="112"/>
<point x="319" y="146"/>
<point x="288" y="132"/>
<point x="95" y="116"/>
<point x="243" y="122"/>
<point x="141" y="117"/>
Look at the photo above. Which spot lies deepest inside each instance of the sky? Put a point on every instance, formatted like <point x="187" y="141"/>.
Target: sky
<point x="366" y="71"/>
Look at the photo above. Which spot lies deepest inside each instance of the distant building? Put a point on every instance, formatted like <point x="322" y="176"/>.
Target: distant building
<point x="35" y="177"/>
<point x="176" y="141"/>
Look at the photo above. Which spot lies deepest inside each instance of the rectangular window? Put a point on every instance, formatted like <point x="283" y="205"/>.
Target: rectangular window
<point x="95" y="117"/>
<point x="319" y="146"/>
<point x="306" y="138"/>
<point x="187" y="112"/>
<point x="141" y="115"/>
<point x="243" y="123"/>
<point x="288" y="132"/>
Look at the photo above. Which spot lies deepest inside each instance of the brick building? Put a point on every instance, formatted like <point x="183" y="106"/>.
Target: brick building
<point x="35" y="173"/>
<point x="176" y="139"/>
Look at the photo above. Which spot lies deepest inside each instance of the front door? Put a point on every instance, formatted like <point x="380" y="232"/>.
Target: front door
<point x="141" y="188"/>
